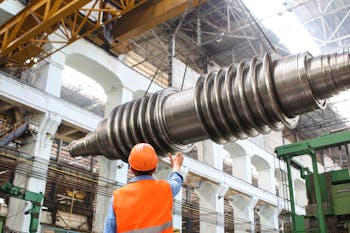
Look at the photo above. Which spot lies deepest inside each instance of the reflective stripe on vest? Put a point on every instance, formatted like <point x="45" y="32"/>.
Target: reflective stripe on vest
<point x="144" y="206"/>
<point x="155" y="229"/>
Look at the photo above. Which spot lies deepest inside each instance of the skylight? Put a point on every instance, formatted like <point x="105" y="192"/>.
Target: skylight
<point x="273" y="15"/>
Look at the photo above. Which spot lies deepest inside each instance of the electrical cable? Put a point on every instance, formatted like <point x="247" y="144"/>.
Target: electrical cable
<point x="187" y="60"/>
<point x="154" y="76"/>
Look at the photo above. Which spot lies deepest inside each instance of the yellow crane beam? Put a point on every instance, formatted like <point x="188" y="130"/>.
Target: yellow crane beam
<point x="150" y="15"/>
<point x="23" y="38"/>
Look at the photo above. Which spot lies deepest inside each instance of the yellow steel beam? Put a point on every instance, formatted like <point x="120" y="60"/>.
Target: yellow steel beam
<point x="148" y="16"/>
<point x="13" y="37"/>
<point x="22" y="39"/>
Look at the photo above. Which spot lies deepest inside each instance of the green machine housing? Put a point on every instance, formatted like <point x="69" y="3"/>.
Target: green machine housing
<point x="328" y="194"/>
<point x="35" y="198"/>
<point x="335" y="195"/>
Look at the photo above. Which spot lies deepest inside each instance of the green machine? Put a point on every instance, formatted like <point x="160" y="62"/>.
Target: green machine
<point x="35" y="198"/>
<point x="328" y="193"/>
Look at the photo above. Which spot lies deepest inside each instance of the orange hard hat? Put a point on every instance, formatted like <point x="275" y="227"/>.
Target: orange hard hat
<point x="143" y="157"/>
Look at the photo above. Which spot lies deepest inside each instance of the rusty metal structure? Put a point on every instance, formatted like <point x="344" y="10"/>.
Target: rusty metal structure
<point x="236" y="102"/>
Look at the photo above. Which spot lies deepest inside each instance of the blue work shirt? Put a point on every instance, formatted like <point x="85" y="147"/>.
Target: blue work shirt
<point x="175" y="180"/>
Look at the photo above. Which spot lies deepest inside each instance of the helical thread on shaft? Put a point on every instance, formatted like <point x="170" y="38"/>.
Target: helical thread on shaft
<point x="236" y="102"/>
<point x="239" y="102"/>
<point x="138" y="121"/>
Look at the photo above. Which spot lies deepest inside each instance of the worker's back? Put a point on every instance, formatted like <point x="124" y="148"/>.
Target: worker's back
<point x="144" y="206"/>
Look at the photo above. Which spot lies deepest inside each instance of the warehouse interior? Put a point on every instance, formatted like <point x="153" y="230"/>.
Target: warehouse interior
<point x="239" y="86"/>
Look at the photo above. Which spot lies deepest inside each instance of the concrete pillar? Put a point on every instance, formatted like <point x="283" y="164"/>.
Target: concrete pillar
<point x="243" y="212"/>
<point x="211" y="153"/>
<point x="48" y="77"/>
<point x="163" y="172"/>
<point x="268" y="218"/>
<point x="220" y="208"/>
<point x="112" y="170"/>
<point x="211" y="204"/>
<point x="121" y="172"/>
<point x="31" y="174"/>
<point x="242" y="168"/>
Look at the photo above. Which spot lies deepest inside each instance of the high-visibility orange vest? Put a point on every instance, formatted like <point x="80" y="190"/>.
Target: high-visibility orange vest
<point x="144" y="206"/>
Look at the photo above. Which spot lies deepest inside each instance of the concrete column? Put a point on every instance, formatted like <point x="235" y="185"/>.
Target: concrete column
<point x="112" y="170"/>
<point x="243" y="212"/>
<point x="31" y="174"/>
<point x="121" y="172"/>
<point x="268" y="218"/>
<point x="108" y="173"/>
<point x="163" y="172"/>
<point x="211" y="204"/>
<point x="242" y="168"/>
<point x="211" y="154"/>
<point x="48" y="77"/>
<point x="220" y="208"/>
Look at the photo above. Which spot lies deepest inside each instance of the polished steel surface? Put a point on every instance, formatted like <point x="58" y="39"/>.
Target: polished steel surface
<point x="235" y="102"/>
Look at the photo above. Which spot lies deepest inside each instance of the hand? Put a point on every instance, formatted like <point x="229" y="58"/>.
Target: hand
<point x="176" y="161"/>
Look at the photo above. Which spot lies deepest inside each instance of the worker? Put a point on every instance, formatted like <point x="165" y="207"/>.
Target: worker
<point x="145" y="204"/>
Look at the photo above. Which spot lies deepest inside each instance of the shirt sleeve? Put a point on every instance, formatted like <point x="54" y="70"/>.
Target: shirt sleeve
<point x="111" y="223"/>
<point x="175" y="180"/>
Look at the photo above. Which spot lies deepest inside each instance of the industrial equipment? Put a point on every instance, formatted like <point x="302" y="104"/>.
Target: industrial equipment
<point x="233" y="103"/>
<point x="35" y="198"/>
<point x="328" y="194"/>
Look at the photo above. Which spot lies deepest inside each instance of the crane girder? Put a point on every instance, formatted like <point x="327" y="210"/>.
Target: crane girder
<point x="24" y="38"/>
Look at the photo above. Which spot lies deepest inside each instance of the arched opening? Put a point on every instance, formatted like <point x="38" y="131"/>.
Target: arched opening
<point x="285" y="220"/>
<point x="282" y="188"/>
<point x="87" y="83"/>
<point x="89" y="67"/>
<point x="236" y="162"/>
<point x="227" y="167"/>
<point x="83" y="91"/>
<point x="229" y="214"/>
<point x="255" y="176"/>
<point x="190" y="210"/>
<point x="263" y="173"/>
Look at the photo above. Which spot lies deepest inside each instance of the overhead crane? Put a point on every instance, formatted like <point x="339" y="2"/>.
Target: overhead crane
<point x="46" y="26"/>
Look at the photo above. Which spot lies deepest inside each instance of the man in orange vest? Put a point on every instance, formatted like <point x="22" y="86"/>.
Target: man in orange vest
<point x="145" y="204"/>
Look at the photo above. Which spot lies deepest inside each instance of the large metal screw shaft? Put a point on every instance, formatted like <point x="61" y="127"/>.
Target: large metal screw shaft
<point x="235" y="102"/>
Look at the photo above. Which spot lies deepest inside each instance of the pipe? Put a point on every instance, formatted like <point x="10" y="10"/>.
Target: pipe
<point x="232" y="103"/>
<point x="15" y="133"/>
